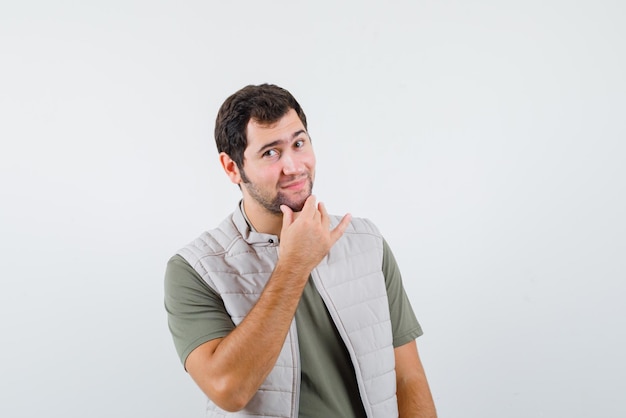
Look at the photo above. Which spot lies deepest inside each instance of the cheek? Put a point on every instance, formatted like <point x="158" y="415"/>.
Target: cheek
<point x="310" y="161"/>
<point x="270" y="174"/>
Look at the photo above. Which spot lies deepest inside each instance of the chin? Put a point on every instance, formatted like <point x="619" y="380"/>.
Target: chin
<point x="296" y="205"/>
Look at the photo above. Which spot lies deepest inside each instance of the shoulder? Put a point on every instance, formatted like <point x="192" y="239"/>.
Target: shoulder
<point x="357" y="225"/>
<point x="361" y="237"/>
<point x="181" y="277"/>
<point x="217" y="242"/>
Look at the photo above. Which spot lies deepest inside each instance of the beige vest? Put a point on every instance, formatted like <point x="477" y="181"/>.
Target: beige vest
<point x="237" y="262"/>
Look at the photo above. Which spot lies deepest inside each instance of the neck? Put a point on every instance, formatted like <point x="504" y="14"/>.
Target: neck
<point x="262" y="220"/>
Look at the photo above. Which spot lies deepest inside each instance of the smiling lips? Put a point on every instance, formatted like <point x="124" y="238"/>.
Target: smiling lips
<point x="296" y="184"/>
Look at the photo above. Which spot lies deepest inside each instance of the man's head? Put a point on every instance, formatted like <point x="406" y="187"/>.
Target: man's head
<point x="264" y="147"/>
<point x="265" y="104"/>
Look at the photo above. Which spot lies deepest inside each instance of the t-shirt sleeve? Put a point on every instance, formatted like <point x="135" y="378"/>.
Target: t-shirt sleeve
<point x="403" y="321"/>
<point x="195" y="312"/>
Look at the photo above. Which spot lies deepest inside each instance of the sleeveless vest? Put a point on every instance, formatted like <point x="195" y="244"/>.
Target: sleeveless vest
<point x="237" y="262"/>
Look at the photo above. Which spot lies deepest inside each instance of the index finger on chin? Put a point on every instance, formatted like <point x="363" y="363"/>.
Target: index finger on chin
<point x="310" y="205"/>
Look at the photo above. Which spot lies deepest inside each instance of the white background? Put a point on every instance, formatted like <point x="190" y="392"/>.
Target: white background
<point x="485" y="138"/>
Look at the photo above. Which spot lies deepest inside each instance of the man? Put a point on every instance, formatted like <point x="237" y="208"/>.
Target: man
<point x="284" y="310"/>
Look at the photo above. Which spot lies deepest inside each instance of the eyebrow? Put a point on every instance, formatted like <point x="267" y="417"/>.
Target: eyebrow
<point x="280" y="141"/>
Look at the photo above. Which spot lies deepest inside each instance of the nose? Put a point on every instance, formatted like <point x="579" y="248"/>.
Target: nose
<point x="292" y="165"/>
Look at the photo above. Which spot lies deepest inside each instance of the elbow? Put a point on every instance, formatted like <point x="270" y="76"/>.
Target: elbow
<point x="225" y="387"/>
<point x="230" y="404"/>
<point x="229" y="396"/>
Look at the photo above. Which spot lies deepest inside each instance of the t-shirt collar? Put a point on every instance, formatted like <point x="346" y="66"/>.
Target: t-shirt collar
<point x="247" y="231"/>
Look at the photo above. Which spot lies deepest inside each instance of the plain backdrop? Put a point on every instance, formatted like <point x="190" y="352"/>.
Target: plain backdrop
<point x="485" y="138"/>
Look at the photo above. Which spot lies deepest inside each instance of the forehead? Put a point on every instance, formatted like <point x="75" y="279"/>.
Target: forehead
<point x="259" y="133"/>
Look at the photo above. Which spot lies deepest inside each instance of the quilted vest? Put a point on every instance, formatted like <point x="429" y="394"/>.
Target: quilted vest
<point x="237" y="262"/>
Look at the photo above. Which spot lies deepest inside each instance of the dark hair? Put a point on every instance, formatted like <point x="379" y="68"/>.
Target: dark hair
<point x="265" y="103"/>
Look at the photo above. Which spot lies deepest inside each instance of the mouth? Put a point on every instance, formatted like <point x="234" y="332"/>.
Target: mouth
<point x="295" y="184"/>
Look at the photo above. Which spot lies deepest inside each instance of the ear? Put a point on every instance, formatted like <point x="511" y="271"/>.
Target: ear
<point x="230" y="168"/>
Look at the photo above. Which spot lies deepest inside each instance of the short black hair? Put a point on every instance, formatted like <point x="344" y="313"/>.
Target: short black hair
<point x="265" y="103"/>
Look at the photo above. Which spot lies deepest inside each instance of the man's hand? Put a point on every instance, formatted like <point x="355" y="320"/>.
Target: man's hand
<point x="306" y="237"/>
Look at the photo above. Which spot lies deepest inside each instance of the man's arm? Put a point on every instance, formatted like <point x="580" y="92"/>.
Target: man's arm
<point x="412" y="390"/>
<point x="230" y="370"/>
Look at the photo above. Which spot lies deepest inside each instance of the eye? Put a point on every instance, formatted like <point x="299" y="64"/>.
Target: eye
<point x="270" y="153"/>
<point x="299" y="143"/>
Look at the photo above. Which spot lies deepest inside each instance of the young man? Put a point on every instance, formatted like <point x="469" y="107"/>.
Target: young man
<point x="284" y="310"/>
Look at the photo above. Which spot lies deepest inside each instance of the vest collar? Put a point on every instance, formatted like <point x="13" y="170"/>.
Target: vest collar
<point x="247" y="231"/>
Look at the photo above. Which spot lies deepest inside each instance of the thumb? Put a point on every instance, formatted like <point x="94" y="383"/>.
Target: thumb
<point x="336" y="233"/>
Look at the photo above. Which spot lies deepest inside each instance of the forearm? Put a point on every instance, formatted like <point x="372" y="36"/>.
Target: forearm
<point x="415" y="400"/>
<point x="242" y="360"/>
<point x="412" y="389"/>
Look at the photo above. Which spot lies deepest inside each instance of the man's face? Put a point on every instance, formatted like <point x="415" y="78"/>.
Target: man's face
<point x="279" y="164"/>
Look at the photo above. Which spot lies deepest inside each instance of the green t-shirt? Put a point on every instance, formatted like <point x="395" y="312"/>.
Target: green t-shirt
<point x="196" y="314"/>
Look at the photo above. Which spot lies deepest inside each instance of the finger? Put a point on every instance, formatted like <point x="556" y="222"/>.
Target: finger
<point x="310" y="206"/>
<point x="287" y="215"/>
<point x="324" y="214"/>
<point x="338" y="231"/>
